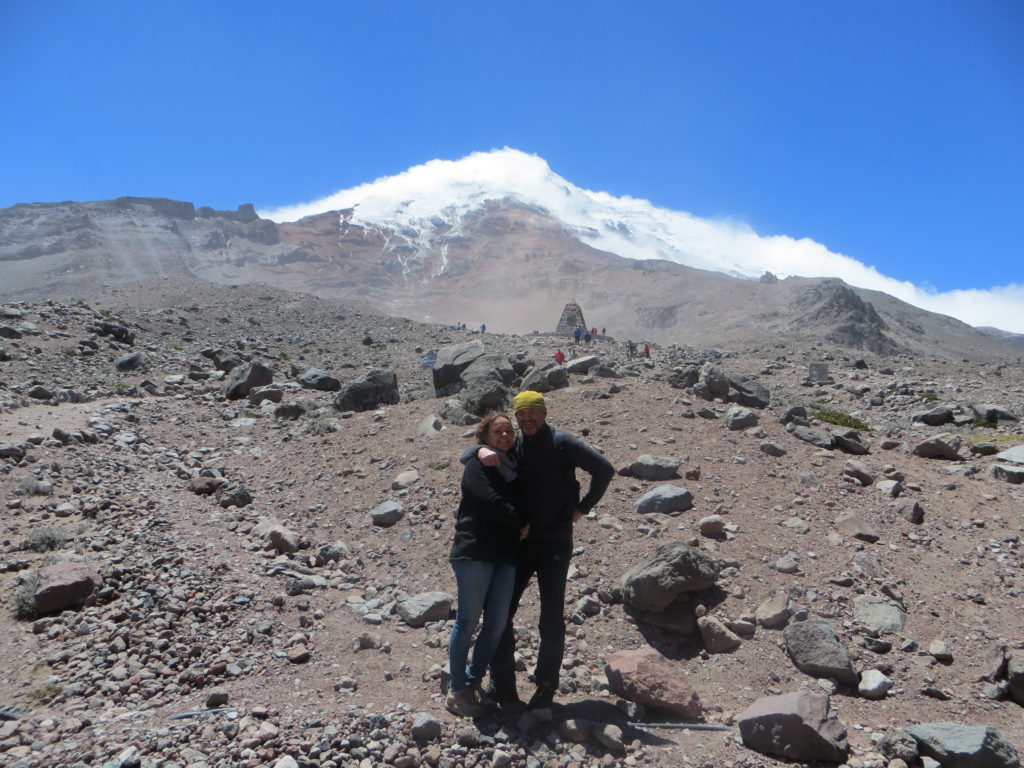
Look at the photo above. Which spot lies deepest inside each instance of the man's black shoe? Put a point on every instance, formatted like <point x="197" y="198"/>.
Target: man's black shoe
<point x="543" y="697"/>
<point x="503" y="696"/>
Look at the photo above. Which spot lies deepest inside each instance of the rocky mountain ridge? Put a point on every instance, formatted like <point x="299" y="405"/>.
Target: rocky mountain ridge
<point x="509" y="265"/>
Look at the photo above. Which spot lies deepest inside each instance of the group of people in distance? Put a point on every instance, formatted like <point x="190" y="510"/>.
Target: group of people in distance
<point x="520" y="499"/>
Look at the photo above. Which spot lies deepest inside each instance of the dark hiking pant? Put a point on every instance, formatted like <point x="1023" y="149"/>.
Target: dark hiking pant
<point x="549" y="560"/>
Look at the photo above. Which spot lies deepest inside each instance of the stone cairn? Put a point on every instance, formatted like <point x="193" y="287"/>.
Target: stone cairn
<point x="571" y="319"/>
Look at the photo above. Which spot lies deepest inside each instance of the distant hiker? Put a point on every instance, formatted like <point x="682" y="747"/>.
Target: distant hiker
<point x="547" y="460"/>
<point x="593" y="331"/>
<point x="586" y="338"/>
<point x="647" y="351"/>
<point x="630" y="350"/>
<point x="602" y="330"/>
<point x="559" y="357"/>
<point x="489" y="524"/>
<point x="576" y="336"/>
<point x="483" y="328"/>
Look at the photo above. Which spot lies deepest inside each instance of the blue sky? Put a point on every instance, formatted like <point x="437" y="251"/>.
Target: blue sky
<point x="890" y="132"/>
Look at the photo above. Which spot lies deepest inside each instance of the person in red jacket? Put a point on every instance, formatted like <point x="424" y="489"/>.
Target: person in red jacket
<point x="559" y="357"/>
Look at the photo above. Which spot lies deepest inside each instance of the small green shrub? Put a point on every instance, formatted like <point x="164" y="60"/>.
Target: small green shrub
<point x="931" y="397"/>
<point x="43" y="694"/>
<point x="981" y="423"/>
<point x="840" y="419"/>
<point x="439" y="465"/>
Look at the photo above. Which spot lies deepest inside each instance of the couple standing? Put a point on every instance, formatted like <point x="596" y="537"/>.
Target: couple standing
<point x="520" y="498"/>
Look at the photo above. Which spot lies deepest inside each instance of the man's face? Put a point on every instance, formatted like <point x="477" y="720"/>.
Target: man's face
<point x="531" y="420"/>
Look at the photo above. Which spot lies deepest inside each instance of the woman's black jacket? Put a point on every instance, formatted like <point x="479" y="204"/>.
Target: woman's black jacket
<point x="488" y="521"/>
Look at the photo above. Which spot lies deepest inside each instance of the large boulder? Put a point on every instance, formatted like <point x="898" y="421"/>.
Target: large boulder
<point x="674" y="569"/>
<point x="815" y="437"/>
<point x="749" y="393"/>
<point x="738" y="417"/>
<point x="992" y="413"/>
<point x="65" y="585"/>
<point x="944" y="446"/>
<point x="964" y="746"/>
<point x="935" y="417"/>
<point x="376" y="388"/>
<point x="245" y="378"/>
<point x="451" y="361"/>
<point x="648" y="678"/>
<point x="798" y="726"/>
<point x="546" y="379"/>
<point x="712" y="383"/>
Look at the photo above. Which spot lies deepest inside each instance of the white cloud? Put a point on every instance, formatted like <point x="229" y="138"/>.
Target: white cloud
<point x="443" y="190"/>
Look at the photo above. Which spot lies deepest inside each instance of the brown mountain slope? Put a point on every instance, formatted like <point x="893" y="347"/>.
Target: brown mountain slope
<point x="510" y="266"/>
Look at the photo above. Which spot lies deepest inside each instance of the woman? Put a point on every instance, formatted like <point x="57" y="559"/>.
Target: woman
<point x="483" y="556"/>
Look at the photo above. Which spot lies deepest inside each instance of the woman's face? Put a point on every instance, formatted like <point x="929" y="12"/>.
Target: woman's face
<point x="500" y="435"/>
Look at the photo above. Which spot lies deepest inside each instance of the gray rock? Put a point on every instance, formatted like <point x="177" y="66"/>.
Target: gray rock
<point x="816" y="650"/>
<point x="797" y="726"/>
<point x="874" y="684"/>
<point x="233" y="495"/>
<point x="673" y="570"/>
<point x="648" y="467"/>
<point x="749" y="393"/>
<point x="376" y="388"/>
<point x="425" y="607"/>
<point x="134" y="361"/>
<point x="426" y="727"/>
<point x="738" y="417"/>
<point x="429" y="426"/>
<point x="811" y="435"/>
<point x="854" y="524"/>
<point x="1015" y="678"/>
<point x="387" y="514"/>
<point x="717" y="637"/>
<point x="992" y="413"/>
<point x="711" y="383"/>
<point x="964" y="746"/>
<point x="774" y="611"/>
<point x="546" y="379"/>
<point x="450" y="363"/>
<point x="879" y="613"/>
<point x="769" y="448"/>
<point x="944" y="446"/>
<point x="245" y="378"/>
<point x="1014" y="454"/>
<point x="855" y="470"/>
<point x="664" y="499"/>
<point x="897" y="744"/>
<point x="935" y="417"/>
<point x="581" y="364"/>
<point x="1007" y="473"/>
<point x="314" y="378"/>
<point x="910" y="510"/>
<point x="849" y="441"/>
<point x="275" y="535"/>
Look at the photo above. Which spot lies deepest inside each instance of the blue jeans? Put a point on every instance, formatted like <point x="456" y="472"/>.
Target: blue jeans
<point x="484" y="588"/>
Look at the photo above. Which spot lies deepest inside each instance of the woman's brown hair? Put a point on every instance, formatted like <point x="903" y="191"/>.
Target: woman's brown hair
<point x="485" y="426"/>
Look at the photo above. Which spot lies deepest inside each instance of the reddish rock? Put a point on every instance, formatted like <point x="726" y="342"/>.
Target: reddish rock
<point x="648" y="678"/>
<point x="65" y="585"/>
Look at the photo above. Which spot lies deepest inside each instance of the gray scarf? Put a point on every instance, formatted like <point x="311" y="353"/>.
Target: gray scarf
<point x="508" y="465"/>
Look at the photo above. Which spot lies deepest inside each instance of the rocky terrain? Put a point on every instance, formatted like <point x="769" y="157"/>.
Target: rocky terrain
<point x="224" y="543"/>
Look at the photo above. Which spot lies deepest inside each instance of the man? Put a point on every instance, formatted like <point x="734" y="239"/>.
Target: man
<point x="547" y="463"/>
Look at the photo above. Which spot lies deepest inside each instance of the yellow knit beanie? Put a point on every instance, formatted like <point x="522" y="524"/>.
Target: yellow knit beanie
<point x="528" y="399"/>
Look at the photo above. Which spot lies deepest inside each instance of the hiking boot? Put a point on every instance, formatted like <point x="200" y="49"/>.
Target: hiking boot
<point x="542" y="697"/>
<point x="503" y="696"/>
<point x="463" y="703"/>
<point x="485" y="701"/>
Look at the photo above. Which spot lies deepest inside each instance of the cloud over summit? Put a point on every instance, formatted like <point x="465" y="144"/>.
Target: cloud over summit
<point x="443" y="191"/>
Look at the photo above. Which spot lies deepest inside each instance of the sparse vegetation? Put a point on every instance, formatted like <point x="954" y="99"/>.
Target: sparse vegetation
<point x="25" y="597"/>
<point x="43" y="694"/>
<point x="840" y="419"/>
<point x="931" y="397"/>
<point x="980" y="423"/>
<point x="47" y="539"/>
<point x="439" y="465"/>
